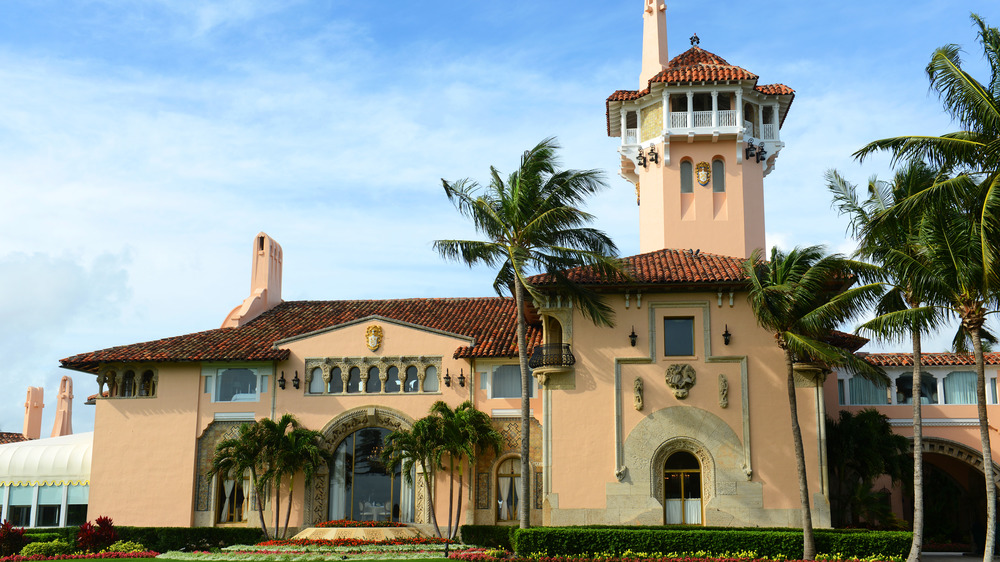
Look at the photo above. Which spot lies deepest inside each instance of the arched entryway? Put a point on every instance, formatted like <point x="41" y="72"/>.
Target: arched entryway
<point x="364" y="489"/>
<point x="682" y="490"/>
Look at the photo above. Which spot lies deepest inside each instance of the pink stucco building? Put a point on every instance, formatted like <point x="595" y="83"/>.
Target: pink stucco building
<point x="676" y="415"/>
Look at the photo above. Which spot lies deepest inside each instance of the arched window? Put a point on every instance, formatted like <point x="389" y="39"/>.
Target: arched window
<point x="317" y="383"/>
<point x="718" y="176"/>
<point x="128" y="384"/>
<point x="392" y="380"/>
<point x="336" y="381"/>
<point x="509" y="489"/>
<point x="147" y="384"/>
<point x="412" y="383"/>
<point x="687" y="177"/>
<point x="928" y="389"/>
<point x="234" y="496"/>
<point x="682" y="489"/>
<point x="362" y="488"/>
<point x="354" y="380"/>
<point x="431" y="379"/>
<point x="374" y="384"/>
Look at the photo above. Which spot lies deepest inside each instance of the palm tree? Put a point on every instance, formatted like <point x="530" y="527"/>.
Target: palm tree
<point x="899" y="312"/>
<point x="236" y="456"/>
<point x="974" y="150"/>
<point x="417" y="446"/>
<point x="532" y="222"/>
<point x="800" y="297"/>
<point x="299" y="450"/>
<point x="466" y="432"/>
<point x="950" y="269"/>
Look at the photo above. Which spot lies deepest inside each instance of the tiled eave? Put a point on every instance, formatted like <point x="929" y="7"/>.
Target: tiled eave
<point x="930" y="359"/>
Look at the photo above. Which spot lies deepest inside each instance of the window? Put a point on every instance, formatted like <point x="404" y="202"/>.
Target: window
<point x="364" y="489"/>
<point x="374" y="384"/>
<point x="147" y="384"/>
<point x="508" y="489"/>
<point x="678" y="336"/>
<point x="234" y="497"/>
<point x="687" y="177"/>
<point x="506" y="382"/>
<point x="431" y="379"/>
<point x="928" y="389"/>
<point x="336" y="385"/>
<point x="412" y="383"/>
<point x="960" y="388"/>
<point x="76" y="504"/>
<point x="866" y="392"/>
<point x="392" y="380"/>
<point x="718" y="176"/>
<point x="316" y="383"/>
<point x="50" y="500"/>
<point x="236" y="385"/>
<point x="840" y="392"/>
<point x="682" y="490"/>
<point x="993" y="389"/>
<point x="19" y="512"/>
<point x="354" y="380"/>
<point x="127" y="389"/>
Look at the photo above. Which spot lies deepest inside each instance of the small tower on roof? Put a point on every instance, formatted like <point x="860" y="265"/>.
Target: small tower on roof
<point x="697" y="139"/>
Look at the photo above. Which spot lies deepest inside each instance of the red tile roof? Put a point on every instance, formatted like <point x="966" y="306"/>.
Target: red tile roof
<point x="930" y="359"/>
<point x="663" y="267"/>
<point x="9" y="437"/>
<point x="697" y="65"/>
<point x="490" y="321"/>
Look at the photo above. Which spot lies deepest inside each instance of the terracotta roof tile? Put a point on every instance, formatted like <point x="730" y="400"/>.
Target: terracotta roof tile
<point x="775" y="89"/>
<point x="929" y="359"/>
<point x="10" y="437"/>
<point x="664" y="267"/>
<point x="490" y="321"/>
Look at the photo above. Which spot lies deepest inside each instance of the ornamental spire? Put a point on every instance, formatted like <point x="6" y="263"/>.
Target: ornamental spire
<point x="654" y="40"/>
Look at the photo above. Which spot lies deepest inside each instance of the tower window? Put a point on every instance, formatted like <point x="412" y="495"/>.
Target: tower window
<point x="687" y="177"/>
<point x="678" y="336"/>
<point x="718" y="176"/>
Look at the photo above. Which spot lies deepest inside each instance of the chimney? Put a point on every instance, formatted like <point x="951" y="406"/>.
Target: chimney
<point x="654" y="40"/>
<point x="64" y="409"/>
<point x="33" y="412"/>
<point x="265" y="283"/>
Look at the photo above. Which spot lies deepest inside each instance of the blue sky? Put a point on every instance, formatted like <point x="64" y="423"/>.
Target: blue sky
<point x="143" y="144"/>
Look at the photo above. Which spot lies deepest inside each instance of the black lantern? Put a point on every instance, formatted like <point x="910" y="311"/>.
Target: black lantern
<point x="761" y="153"/>
<point x="751" y="150"/>
<point x="281" y="381"/>
<point x="654" y="157"/>
<point x="447" y="378"/>
<point x="641" y="159"/>
<point x="633" y="337"/>
<point x="726" y="335"/>
<point x="296" y="381"/>
<point x="461" y="378"/>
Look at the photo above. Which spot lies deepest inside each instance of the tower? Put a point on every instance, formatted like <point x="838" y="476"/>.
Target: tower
<point x="697" y="139"/>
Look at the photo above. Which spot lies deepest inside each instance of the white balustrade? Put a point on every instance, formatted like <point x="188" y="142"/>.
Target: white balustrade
<point x="769" y="131"/>
<point x="631" y="136"/>
<point x="727" y="118"/>
<point x="702" y="118"/>
<point x="678" y="120"/>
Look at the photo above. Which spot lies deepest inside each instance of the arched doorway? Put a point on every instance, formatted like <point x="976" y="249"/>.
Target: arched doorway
<point x="361" y="487"/>
<point x="682" y="495"/>
<point x="509" y="489"/>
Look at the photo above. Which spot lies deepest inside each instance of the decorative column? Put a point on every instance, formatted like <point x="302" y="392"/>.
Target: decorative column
<point x="624" y="119"/>
<point x="715" y="109"/>
<point x="690" y="110"/>
<point x="777" y="121"/>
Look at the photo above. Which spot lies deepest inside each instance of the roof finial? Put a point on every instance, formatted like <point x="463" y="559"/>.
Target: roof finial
<point x="695" y="41"/>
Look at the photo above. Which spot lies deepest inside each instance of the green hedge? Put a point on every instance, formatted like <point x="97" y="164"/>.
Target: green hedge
<point x="488" y="536"/>
<point x="163" y="539"/>
<point x="564" y="541"/>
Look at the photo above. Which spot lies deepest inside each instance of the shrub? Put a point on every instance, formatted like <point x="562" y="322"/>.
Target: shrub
<point x="47" y="549"/>
<point x="11" y="539"/>
<point x="95" y="538"/>
<point x="563" y="541"/>
<point x="489" y="536"/>
<point x="125" y="546"/>
<point x="30" y="537"/>
<point x="164" y="539"/>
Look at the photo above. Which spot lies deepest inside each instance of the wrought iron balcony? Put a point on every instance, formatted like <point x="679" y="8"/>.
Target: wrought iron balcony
<point x="551" y="355"/>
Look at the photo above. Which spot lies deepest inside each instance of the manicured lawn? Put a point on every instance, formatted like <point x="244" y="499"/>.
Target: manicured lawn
<point x="275" y="559"/>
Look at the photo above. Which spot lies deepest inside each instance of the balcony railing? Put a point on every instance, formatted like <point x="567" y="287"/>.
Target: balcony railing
<point x="702" y="118"/>
<point x="551" y="355"/>
<point x="770" y="131"/>
<point x="631" y="136"/>
<point x="678" y="120"/>
<point x="727" y="118"/>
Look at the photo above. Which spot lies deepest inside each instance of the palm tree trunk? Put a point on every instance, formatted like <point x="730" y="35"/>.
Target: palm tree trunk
<point x="808" y="544"/>
<point x="277" y="503"/>
<point x="458" y="508"/>
<point x="984" y="435"/>
<point x="918" y="456"/>
<point x="451" y="492"/>
<point x="258" y="490"/>
<point x="429" y="481"/>
<point x="522" y="356"/>
<point x="288" y="509"/>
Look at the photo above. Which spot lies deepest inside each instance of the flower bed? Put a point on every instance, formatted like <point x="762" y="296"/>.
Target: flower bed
<point x="349" y="523"/>
<point x="348" y="542"/>
<point x="19" y="558"/>
<point x="500" y="555"/>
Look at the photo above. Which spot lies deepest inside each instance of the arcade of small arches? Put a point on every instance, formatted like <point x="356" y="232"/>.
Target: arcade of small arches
<point x="128" y="381"/>
<point x="362" y="375"/>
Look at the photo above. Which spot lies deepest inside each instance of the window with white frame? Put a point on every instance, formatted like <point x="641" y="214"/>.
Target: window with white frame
<point x="865" y="392"/>
<point x="237" y="383"/>
<point x="928" y="389"/>
<point x="504" y="381"/>
<point x="960" y="388"/>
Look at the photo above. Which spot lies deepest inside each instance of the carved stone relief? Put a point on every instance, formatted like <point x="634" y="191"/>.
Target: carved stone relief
<point x="723" y="392"/>
<point x="672" y="446"/>
<point x="637" y="389"/>
<point x="680" y="378"/>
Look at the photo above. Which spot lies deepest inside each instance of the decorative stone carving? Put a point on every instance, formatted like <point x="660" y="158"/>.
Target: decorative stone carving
<point x="637" y="389"/>
<point x="723" y="392"/>
<point x="621" y="472"/>
<point x="680" y="378"/>
<point x="697" y="449"/>
<point x="102" y="379"/>
<point x="373" y="337"/>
